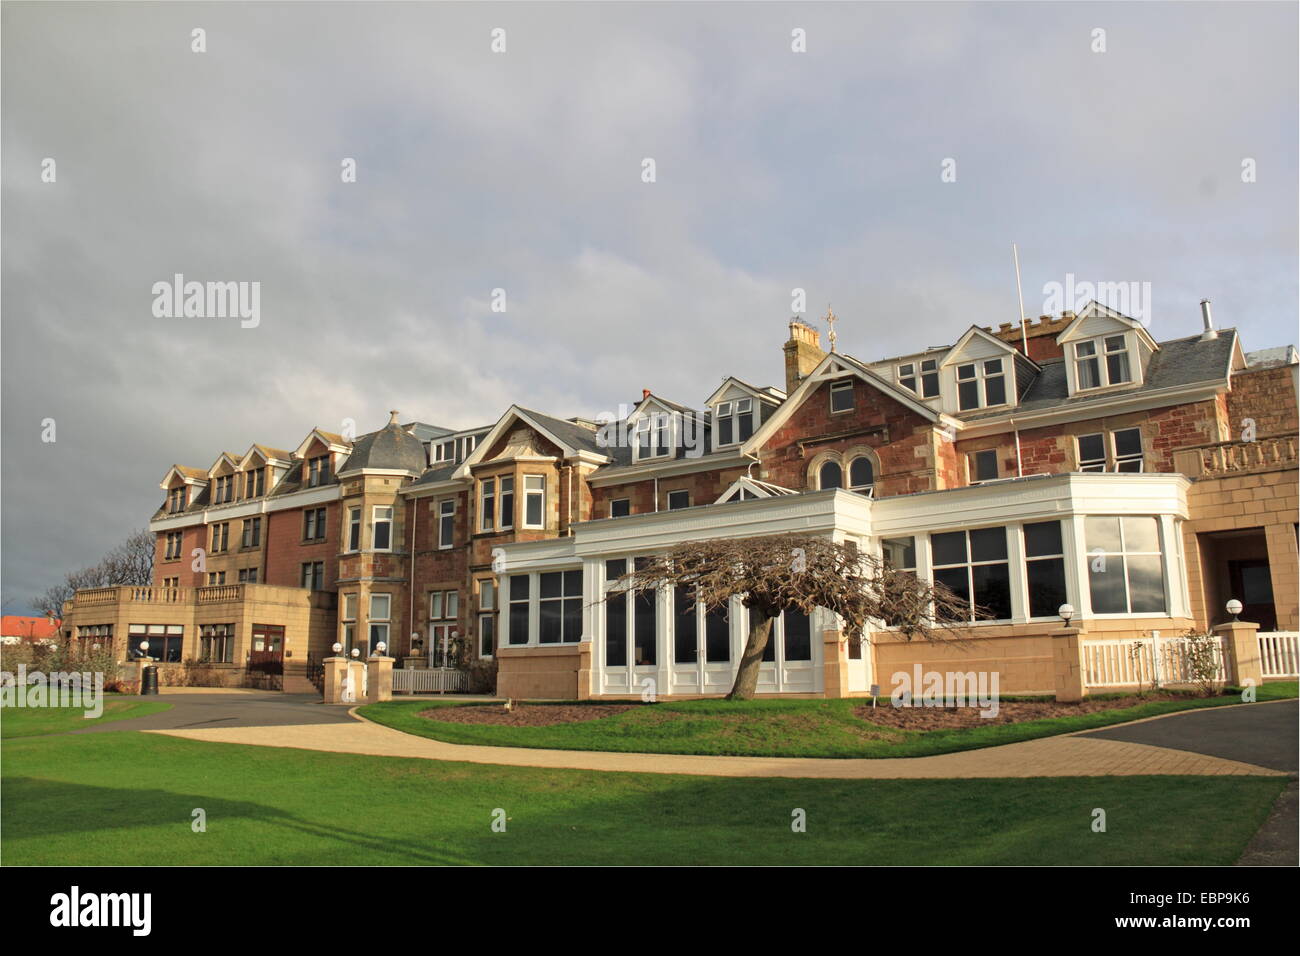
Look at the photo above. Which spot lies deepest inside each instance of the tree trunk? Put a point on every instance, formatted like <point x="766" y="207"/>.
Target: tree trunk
<point x="760" y="632"/>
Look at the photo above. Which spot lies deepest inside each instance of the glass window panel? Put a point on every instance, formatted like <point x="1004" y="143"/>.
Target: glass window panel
<point x="616" y="630"/>
<point x="948" y="547"/>
<point x="988" y="544"/>
<point x="1117" y="368"/>
<point x="518" y="587"/>
<point x="1043" y="538"/>
<point x="1141" y="534"/>
<point x="573" y="584"/>
<point x="685" y="642"/>
<point x="1128" y="442"/>
<point x="1089" y="373"/>
<point x="995" y="391"/>
<point x="379" y="606"/>
<point x="993" y="589"/>
<point x="1146" y="584"/>
<point x="968" y="395"/>
<point x="1046" y="586"/>
<point x="519" y="623"/>
<point x="798" y="636"/>
<point x="549" y="625"/>
<point x="1106" y="584"/>
<point x="1102" y="533"/>
<point x="860" y="472"/>
<point x="717" y="635"/>
<point x="573" y="620"/>
<point x="615" y="569"/>
<point x="829" y="476"/>
<point x="900" y="553"/>
<point x="955" y="580"/>
<point x="643" y="611"/>
<point x="552" y="582"/>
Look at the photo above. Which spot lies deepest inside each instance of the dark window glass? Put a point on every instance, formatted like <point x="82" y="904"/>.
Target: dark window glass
<point x="949" y="547"/>
<point x="993" y="589"/>
<point x="620" y="508"/>
<point x="1046" y="578"/>
<point x="1128" y="442"/>
<point x="616" y="630"/>
<point x="725" y="430"/>
<point x="955" y="580"/>
<point x="549" y="629"/>
<point x="717" y="635"/>
<point x="985" y="464"/>
<point x="685" y="638"/>
<point x="518" y="587"/>
<point x="551" y="582"/>
<point x="829" y="476"/>
<point x="900" y="553"/>
<point x="643" y="610"/>
<point x="995" y="390"/>
<point x="988" y="544"/>
<point x="1092" y="452"/>
<point x="1043" y="538"/>
<point x="746" y="426"/>
<point x="968" y="395"/>
<point x="487" y="634"/>
<point x="678" y="500"/>
<point x="615" y="569"/>
<point x="798" y="636"/>
<point x="841" y="397"/>
<point x="861" y="472"/>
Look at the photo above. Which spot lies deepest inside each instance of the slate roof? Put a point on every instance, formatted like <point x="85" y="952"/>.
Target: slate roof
<point x="392" y="448"/>
<point x="441" y="472"/>
<point x="1186" y="361"/>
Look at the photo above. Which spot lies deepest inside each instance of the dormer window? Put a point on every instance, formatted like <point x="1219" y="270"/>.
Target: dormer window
<point x="734" y="421"/>
<point x="225" y="489"/>
<point x="981" y="384"/>
<point x="924" y="374"/>
<point x="318" y="471"/>
<point x="444" y="451"/>
<point x="1088" y="364"/>
<point x="255" y="483"/>
<point x="652" y="433"/>
<point x="176" y="500"/>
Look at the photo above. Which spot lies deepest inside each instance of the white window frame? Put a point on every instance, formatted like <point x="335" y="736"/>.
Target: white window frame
<point x="614" y="501"/>
<point x="733" y="411"/>
<point x="658" y="425"/>
<point x="375" y="521"/>
<point x="841" y="388"/>
<point x="505" y="515"/>
<point x="668" y="498"/>
<point x="446" y="509"/>
<point x="529" y="494"/>
<point x="917" y="373"/>
<point x="981" y="379"/>
<point x="487" y="504"/>
<point x="354" y="531"/>
<point x="846" y="476"/>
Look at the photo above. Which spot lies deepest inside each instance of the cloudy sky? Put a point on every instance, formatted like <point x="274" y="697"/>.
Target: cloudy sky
<point x="522" y="170"/>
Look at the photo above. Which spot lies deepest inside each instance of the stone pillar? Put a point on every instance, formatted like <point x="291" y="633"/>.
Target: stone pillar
<point x="1067" y="665"/>
<point x="1241" y="640"/>
<point x="129" y="673"/>
<point x="379" y="682"/>
<point x="834" y="667"/>
<point x="335" y="669"/>
<point x="584" y="671"/>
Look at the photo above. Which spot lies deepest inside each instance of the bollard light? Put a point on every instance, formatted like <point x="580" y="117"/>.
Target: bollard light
<point x="356" y="652"/>
<point x="380" y="648"/>
<point x="1066" y="611"/>
<point x="337" y="647"/>
<point x="1234" y="608"/>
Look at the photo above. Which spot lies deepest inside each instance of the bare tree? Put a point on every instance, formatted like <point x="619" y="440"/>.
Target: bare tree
<point x="801" y="572"/>
<point x="131" y="562"/>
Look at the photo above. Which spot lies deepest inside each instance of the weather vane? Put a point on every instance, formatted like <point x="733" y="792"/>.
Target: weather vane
<point x="830" y="325"/>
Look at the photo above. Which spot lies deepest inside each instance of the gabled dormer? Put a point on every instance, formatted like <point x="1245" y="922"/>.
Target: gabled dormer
<point x="738" y="409"/>
<point x="259" y="470"/>
<point x="657" y="428"/>
<point x="1105" y="349"/>
<point x="221" y="478"/>
<point x="981" y="372"/>
<point x="319" y="456"/>
<point x="183" y="486"/>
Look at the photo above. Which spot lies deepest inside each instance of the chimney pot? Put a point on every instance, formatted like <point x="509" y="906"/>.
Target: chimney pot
<point x="645" y="393"/>
<point x="392" y="417"/>
<point x="1210" y="332"/>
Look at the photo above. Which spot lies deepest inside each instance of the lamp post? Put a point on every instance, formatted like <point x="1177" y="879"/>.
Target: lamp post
<point x="337" y="647"/>
<point x="1066" y="611"/>
<point x="1234" y="608"/>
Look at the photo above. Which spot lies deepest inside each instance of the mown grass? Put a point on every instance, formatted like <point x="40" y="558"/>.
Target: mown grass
<point x="768" y="728"/>
<point x="124" y="797"/>
<point x="34" y="721"/>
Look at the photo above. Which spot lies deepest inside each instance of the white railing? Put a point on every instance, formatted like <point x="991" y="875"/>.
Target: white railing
<point x="1152" y="660"/>
<point x="1279" y="653"/>
<point x="431" y="680"/>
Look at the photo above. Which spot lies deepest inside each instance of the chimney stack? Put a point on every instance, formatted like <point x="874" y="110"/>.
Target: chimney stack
<point x="1210" y="332"/>
<point x="645" y="393"/>
<point x="392" y="417"/>
<point x="803" y="351"/>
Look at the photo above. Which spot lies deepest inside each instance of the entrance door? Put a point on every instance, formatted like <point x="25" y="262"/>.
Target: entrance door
<point x="266" y="657"/>
<point x="788" y="658"/>
<point x="1252" y="585"/>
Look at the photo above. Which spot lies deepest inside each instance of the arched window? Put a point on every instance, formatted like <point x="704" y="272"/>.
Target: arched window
<point x="861" y="475"/>
<point x="830" y="475"/>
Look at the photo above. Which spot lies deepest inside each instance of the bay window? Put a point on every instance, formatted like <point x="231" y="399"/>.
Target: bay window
<point x="381" y="535"/>
<point x="507" y="503"/>
<point x="974" y="566"/>
<point x="1125" y="565"/>
<point x="487" y="502"/>
<point x="534" y="501"/>
<point x="381" y="606"/>
<point x="1044" y="568"/>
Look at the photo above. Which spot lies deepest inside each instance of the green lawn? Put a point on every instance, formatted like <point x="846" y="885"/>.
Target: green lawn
<point x="768" y="728"/>
<point x="33" y="721"/>
<point x="127" y="798"/>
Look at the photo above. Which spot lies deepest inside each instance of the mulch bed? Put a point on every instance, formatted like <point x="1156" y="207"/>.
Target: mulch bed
<point x="1009" y="712"/>
<point x="525" y="715"/>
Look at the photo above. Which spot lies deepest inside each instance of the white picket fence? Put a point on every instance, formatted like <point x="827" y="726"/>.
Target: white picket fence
<point x="1279" y="653"/>
<point x="431" y="680"/>
<point x="1153" y="661"/>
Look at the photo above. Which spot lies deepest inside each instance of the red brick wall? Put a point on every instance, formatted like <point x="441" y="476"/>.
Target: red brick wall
<point x="906" y="458"/>
<point x="191" y="538"/>
<point x="284" y="552"/>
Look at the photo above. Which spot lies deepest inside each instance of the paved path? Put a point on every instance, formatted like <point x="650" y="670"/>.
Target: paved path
<point x="1084" y="755"/>
<point x="1263" y="734"/>
<point x="256" y="709"/>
